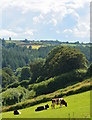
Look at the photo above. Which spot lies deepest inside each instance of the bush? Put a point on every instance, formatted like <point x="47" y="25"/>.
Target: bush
<point x="32" y="94"/>
<point x="25" y="73"/>
<point x="24" y="83"/>
<point x="7" y="77"/>
<point x="58" y="82"/>
<point x="89" y="71"/>
<point x="13" y="85"/>
<point x="13" y="95"/>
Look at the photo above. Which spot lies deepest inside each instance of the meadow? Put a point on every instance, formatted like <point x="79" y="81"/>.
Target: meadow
<point x="78" y="107"/>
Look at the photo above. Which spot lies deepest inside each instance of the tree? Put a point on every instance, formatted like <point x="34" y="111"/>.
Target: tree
<point x="63" y="59"/>
<point x="25" y="73"/>
<point x="89" y="71"/>
<point x="10" y="38"/>
<point x="6" y="79"/>
<point x="30" y="47"/>
<point x="36" y="69"/>
<point x="8" y="71"/>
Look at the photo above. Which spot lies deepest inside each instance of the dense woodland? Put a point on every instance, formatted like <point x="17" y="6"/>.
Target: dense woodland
<point x="28" y="73"/>
<point x="15" y="56"/>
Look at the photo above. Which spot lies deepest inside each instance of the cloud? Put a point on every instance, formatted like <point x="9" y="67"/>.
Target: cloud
<point x="67" y="31"/>
<point x="82" y="30"/>
<point x="29" y="33"/>
<point x="57" y="31"/>
<point x="38" y="19"/>
<point x="43" y="6"/>
<point x="23" y="16"/>
<point x="7" y="33"/>
<point x="76" y="4"/>
<point x="53" y="21"/>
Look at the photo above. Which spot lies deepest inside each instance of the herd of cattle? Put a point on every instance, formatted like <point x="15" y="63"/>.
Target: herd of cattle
<point x="55" y="101"/>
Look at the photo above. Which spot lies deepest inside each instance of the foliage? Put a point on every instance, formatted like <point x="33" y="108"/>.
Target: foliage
<point x="13" y="95"/>
<point x="63" y="59"/>
<point x="24" y="83"/>
<point x="15" y="56"/>
<point x="77" y="88"/>
<point x="7" y="79"/>
<point x="85" y="50"/>
<point x="89" y="72"/>
<point x="63" y="66"/>
<point x="32" y="94"/>
<point x="13" y="85"/>
<point x="25" y="73"/>
<point x="36" y="69"/>
<point x="18" y="72"/>
<point x="8" y="71"/>
<point x="58" y="82"/>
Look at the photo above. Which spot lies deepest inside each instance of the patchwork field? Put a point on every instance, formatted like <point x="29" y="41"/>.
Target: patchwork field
<point x="78" y="107"/>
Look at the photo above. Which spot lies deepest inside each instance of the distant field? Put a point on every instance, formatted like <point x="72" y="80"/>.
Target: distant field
<point x="73" y="45"/>
<point x="78" y="107"/>
<point x="36" y="46"/>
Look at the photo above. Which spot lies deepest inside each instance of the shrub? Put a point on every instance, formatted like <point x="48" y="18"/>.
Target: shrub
<point x="58" y="82"/>
<point x="13" y="85"/>
<point x="89" y="71"/>
<point x="14" y="95"/>
<point x="24" y="83"/>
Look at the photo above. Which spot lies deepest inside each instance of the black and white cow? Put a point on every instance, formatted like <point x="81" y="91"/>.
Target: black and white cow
<point x="58" y="101"/>
<point x="16" y="112"/>
<point x="39" y="108"/>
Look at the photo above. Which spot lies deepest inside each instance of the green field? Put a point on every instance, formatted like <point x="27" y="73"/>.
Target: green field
<point x="78" y="107"/>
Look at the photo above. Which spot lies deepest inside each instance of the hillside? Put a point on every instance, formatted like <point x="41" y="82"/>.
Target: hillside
<point x="73" y="89"/>
<point x="64" y="71"/>
<point x="29" y="51"/>
<point x="78" y="107"/>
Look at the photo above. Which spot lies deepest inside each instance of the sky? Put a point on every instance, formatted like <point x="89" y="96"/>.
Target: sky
<point x="64" y="20"/>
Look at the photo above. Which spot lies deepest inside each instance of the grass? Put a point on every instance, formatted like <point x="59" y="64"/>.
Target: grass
<point x="78" y="107"/>
<point x="70" y="90"/>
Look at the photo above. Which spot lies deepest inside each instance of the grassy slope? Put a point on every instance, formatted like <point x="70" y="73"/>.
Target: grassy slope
<point x="78" y="107"/>
<point x="73" y="89"/>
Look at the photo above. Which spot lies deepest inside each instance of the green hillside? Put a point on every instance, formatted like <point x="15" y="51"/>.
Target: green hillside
<point x="70" y="90"/>
<point x="52" y="72"/>
<point x="78" y="107"/>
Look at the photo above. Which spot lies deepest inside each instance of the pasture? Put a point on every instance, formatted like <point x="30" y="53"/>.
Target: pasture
<point x="78" y="107"/>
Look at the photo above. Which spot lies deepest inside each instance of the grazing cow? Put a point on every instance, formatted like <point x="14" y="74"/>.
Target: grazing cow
<point x="42" y="108"/>
<point x="58" y="101"/>
<point x="63" y="102"/>
<point x="16" y="112"/>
